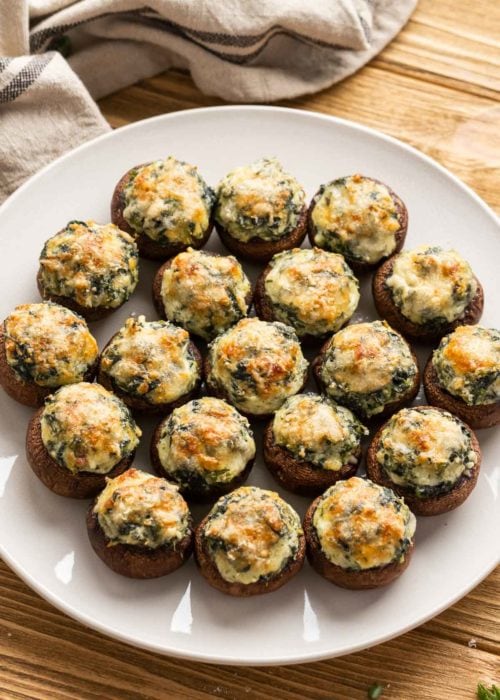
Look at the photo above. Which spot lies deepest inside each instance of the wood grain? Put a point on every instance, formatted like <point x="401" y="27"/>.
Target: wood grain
<point x="436" y="87"/>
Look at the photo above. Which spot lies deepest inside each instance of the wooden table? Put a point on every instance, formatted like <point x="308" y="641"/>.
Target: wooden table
<point x="436" y="87"/>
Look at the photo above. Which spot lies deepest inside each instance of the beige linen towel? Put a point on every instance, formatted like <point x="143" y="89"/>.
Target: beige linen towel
<point x="240" y="50"/>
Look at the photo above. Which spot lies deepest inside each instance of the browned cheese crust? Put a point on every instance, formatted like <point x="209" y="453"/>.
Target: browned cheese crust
<point x="27" y="393"/>
<point x="141" y="404"/>
<point x="387" y="308"/>
<point x="297" y="475"/>
<point x="135" y="561"/>
<point x="400" y="235"/>
<point x="157" y="284"/>
<point x="89" y="314"/>
<point x="257" y="250"/>
<point x="264" y="309"/>
<point x="484" y="415"/>
<point x="148" y="248"/>
<point x="348" y="578"/>
<point x="59" y="479"/>
<point x="243" y="590"/>
<point x="212" y="492"/>
<point x="390" y="407"/>
<point x="221" y="394"/>
<point x="424" y="506"/>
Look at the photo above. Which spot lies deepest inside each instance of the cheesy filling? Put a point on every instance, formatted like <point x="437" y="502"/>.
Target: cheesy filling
<point x="205" y="294"/>
<point x="205" y="442"/>
<point x="252" y="535"/>
<point x="311" y="290"/>
<point x="48" y="344"/>
<point x="257" y="364"/>
<point x="169" y="201"/>
<point x="467" y="363"/>
<point x="430" y="285"/>
<point x="94" y="265"/>
<point x="361" y="525"/>
<point x="317" y="431"/>
<point x="151" y="360"/>
<point x="139" y="509"/>
<point x="366" y="366"/>
<point x="259" y="201"/>
<point x="357" y="217"/>
<point x="87" y="429"/>
<point x="426" y="449"/>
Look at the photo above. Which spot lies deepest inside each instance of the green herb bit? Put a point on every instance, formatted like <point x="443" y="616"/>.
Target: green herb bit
<point x="375" y="691"/>
<point x="484" y="694"/>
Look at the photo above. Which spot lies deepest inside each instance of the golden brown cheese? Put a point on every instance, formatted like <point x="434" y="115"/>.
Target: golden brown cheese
<point x="48" y="344"/>
<point x="207" y="437"/>
<point x="257" y="364"/>
<point x="169" y="201"/>
<point x="151" y="360"/>
<point x="93" y="264"/>
<point x="311" y="290"/>
<point x="356" y="216"/>
<point x="86" y="428"/>
<point x="467" y="363"/>
<point x="205" y="294"/>
<point x="431" y="284"/>
<point x="318" y="431"/>
<point x="361" y="525"/>
<point x="259" y="200"/>
<point x="425" y="447"/>
<point x="252" y="534"/>
<point x="137" y="508"/>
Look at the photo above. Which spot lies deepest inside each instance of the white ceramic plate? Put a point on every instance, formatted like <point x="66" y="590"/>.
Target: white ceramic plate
<point x="43" y="536"/>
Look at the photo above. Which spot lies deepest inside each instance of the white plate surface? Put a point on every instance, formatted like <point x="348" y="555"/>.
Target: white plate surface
<point x="43" y="536"/>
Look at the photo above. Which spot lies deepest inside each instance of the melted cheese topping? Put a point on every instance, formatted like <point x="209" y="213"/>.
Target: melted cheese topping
<point x="311" y="290"/>
<point x="48" y="344"/>
<point x="357" y="217"/>
<point x="139" y="509"/>
<point x="430" y="284"/>
<point x="425" y="447"/>
<point x="87" y="429"/>
<point x="257" y="364"/>
<point x="315" y="430"/>
<point x="206" y="438"/>
<point x="467" y="363"/>
<point x="252" y="535"/>
<point x="206" y="294"/>
<point x="369" y="363"/>
<point x="151" y="360"/>
<point x="94" y="265"/>
<point x="361" y="525"/>
<point x="259" y="200"/>
<point x="169" y="201"/>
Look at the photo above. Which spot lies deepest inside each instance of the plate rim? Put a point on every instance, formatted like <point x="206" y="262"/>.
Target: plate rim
<point x="277" y="659"/>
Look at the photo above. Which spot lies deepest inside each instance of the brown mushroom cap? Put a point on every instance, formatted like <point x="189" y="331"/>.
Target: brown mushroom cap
<point x="387" y="309"/>
<point x="135" y="561"/>
<point x="389" y="408"/>
<point x="59" y="479"/>
<point x="433" y="505"/>
<point x="28" y="393"/>
<point x="148" y="248"/>
<point x="477" y="416"/>
<point x="158" y="281"/>
<point x="400" y="234"/>
<point x="348" y="578"/>
<point x="143" y="405"/>
<point x="300" y="476"/>
<point x="257" y="250"/>
<point x="211" y="573"/>
<point x="206" y="492"/>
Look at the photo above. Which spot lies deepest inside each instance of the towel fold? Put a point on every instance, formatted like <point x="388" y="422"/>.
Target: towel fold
<point x="240" y="50"/>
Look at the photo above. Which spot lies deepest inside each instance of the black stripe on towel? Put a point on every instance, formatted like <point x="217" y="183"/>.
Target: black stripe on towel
<point x="25" y="78"/>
